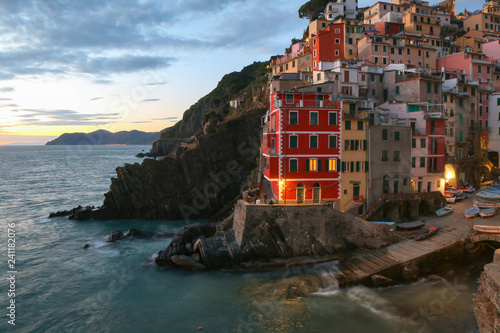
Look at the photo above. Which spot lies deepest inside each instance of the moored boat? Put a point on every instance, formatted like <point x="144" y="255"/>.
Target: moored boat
<point x="471" y="212"/>
<point x="409" y="225"/>
<point x="382" y="222"/>
<point x="489" y="195"/>
<point x="425" y="233"/>
<point x="486" y="229"/>
<point x="487" y="212"/>
<point x="486" y="204"/>
<point x="444" y="211"/>
<point x="451" y="199"/>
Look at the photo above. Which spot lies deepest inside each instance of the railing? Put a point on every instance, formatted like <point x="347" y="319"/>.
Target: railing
<point x="435" y="170"/>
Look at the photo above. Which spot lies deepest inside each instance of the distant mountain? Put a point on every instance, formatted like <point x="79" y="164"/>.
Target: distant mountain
<point x="103" y="137"/>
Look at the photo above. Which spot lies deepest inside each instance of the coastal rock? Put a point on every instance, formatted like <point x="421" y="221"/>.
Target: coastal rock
<point x="187" y="262"/>
<point x="410" y="273"/>
<point x="173" y="188"/>
<point x="86" y="246"/>
<point x="381" y="281"/>
<point x="133" y="233"/>
<point x="115" y="235"/>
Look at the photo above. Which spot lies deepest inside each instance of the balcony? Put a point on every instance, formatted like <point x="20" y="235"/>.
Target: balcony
<point x="435" y="170"/>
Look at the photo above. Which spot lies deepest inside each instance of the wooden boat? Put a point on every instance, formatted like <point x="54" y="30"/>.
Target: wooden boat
<point x="451" y="199"/>
<point x="487" y="212"/>
<point x="448" y="194"/>
<point x="444" y="211"/>
<point x="468" y="189"/>
<point x="381" y="222"/>
<point x="489" y="195"/>
<point x="486" y="229"/>
<point x="471" y="212"/>
<point x="425" y="233"/>
<point x="409" y="225"/>
<point x="486" y="204"/>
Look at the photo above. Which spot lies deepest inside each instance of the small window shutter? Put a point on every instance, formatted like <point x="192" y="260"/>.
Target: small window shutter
<point x="353" y="144"/>
<point x="367" y="164"/>
<point x="357" y="145"/>
<point x="357" y="166"/>
<point x="327" y="165"/>
<point x="346" y="145"/>
<point x="319" y="165"/>
<point x="307" y="165"/>
<point x="352" y="166"/>
<point x="339" y="165"/>
<point x="364" y="144"/>
<point x="343" y="166"/>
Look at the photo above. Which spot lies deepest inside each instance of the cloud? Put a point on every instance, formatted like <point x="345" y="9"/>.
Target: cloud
<point x="167" y="118"/>
<point x="151" y="100"/>
<point x="95" y="98"/>
<point x="156" y="83"/>
<point x="48" y="117"/>
<point x="9" y="106"/>
<point x="141" y="122"/>
<point x="5" y="99"/>
<point x="6" y="89"/>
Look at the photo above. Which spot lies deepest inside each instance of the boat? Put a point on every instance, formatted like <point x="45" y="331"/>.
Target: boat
<point x="486" y="204"/>
<point x="489" y="195"/>
<point x="450" y="199"/>
<point x="425" y="233"/>
<point x="382" y="222"/>
<point x="487" y="212"/>
<point x="486" y="229"/>
<point x="444" y="211"/>
<point x="471" y="212"/>
<point x="468" y="189"/>
<point x="448" y="194"/>
<point x="405" y="226"/>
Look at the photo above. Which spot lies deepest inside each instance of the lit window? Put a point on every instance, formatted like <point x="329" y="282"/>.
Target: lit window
<point x="332" y="164"/>
<point x="313" y="164"/>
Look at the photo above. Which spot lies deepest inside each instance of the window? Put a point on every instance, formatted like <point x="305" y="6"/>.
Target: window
<point x="436" y="89"/>
<point x="294" y="165"/>
<point x="397" y="156"/>
<point x="429" y="87"/>
<point x="347" y="124"/>
<point x="318" y="76"/>
<point x="498" y="100"/>
<point x="381" y="79"/>
<point x="294" y="141"/>
<point x="289" y="98"/>
<point x="461" y="102"/>
<point x="360" y="125"/>
<point x="376" y="48"/>
<point x="385" y="184"/>
<point x="313" y="141"/>
<point x="337" y="40"/>
<point x="396" y="184"/>
<point x="433" y="127"/>
<point x="422" y="162"/>
<point x="385" y="155"/>
<point x="332" y="141"/>
<point x="423" y="143"/>
<point x="479" y="68"/>
<point x="332" y="164"/>
<point x="396" y="136"/>
<point x="313" y="165"/>
<point x="384" y="134"/>
<point x="313" y="118"/>
<point x="337" y="52"/>
<point x="332" y="118"/>
<point x="397" y="90"/>
<point x="294" y="117"/>
<point x="414" y="143"/>
<point x="413" y="162"/>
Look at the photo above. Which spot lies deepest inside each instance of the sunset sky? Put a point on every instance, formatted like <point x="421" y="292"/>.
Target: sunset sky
<point x="79" y="66"/>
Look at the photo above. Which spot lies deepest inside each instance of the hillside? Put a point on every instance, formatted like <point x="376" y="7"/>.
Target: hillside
<point x="103" y="137"/>
<point x="211" y="110"/>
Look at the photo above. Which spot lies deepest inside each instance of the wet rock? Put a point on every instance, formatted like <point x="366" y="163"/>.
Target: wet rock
<point x="86" y="246"/>
<point x="115" y="235"/>
<point x="410" y="273"/>
<point x="186" y="262"/>
<point x="140" y="155"/>
<point x="133" y="233"/>
<point x="196" y="257"/>
<point x="381" y="281"/>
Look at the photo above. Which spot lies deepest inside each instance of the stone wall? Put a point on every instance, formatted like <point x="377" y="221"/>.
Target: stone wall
<point x="488" y="297"/>
<point x="406" y="206"/>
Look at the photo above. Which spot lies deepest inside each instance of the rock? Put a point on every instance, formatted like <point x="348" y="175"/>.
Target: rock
<point x="133" y="233"/>
<point x="196" y="246"/>
<point x="86" y="245"/>
<point x="196" y="257"/>
<point x="189" y="248"/>
<point x="60" y="213"/>
<point x="410" y="273"/>
<point x="187" y="262"/>
<point x="115" y="235"/>
<point x="140" y="155"/>
<point x="381" y="281"/>
<point x="162" y="259"/>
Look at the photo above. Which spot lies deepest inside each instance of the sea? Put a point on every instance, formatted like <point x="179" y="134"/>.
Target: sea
<point x="55" y="285"/>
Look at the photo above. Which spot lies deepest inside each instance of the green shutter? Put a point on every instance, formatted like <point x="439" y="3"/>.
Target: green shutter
<point x="364" y="144"/>
<point x="343" y="166"/>
<point x="357" y="166"/>
<point x="357" y="145"/>
<point x="352" y="166"/>
<point x="327" y="165"/>
<point x="367" y="164"/>
<point x="319" y="165"/>
<point x="353" y="144"/>
<point x="307" y="165"/>
<point x="346" y="144"/>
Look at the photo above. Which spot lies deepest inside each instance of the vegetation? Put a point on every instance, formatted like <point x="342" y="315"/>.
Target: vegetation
<point x="313" y="9"/>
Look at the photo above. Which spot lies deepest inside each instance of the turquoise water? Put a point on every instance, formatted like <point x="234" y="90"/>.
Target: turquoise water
<point x="115" y="287"/>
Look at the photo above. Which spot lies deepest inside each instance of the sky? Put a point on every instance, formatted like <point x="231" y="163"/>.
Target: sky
<point x="78" y="66"/>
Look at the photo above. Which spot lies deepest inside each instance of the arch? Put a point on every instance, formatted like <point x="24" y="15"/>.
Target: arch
<point x="450" y="174"/>
<point x="385" y="184"/>
<point x="316" y="193"/>
<point x="300" y="193"/>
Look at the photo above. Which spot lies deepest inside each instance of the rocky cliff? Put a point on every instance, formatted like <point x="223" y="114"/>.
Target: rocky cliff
<point x="194" y="183"/>
<point x="103" y="137"/>
<point x="247" y="84"/>
<point x="488" y="297"/>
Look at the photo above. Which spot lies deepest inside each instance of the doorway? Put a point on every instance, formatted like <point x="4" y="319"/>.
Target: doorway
<point x="300" y="193"/>
<point x="316" y="193"/>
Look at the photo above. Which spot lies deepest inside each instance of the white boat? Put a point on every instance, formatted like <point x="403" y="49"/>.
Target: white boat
<point x="471" y="212"/>
<point x="486" y="204"/>
<point x="450" y="199"/>
<point x="486" y="229"/>
<point x="489" y="195"/>
<point x="444" y="211"/>
<point x="487" y="212"/>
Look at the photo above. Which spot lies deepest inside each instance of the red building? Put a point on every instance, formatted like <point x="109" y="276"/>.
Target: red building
<point x="301" y="147"/>
<point x="389" y="28"/>
<point x="328" y="45"/>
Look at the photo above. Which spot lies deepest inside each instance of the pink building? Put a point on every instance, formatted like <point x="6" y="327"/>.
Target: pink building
<point x="492" y="49"/>
<point x="476" y="66"/>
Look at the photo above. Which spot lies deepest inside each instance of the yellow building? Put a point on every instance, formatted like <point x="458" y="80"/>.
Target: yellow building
<point x="420" y="20"/>
<point x="487" y="22"/>
<point x="354" y="159"/>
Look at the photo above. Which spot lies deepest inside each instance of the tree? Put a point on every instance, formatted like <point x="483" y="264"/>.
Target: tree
<point x="313" y="9"/>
